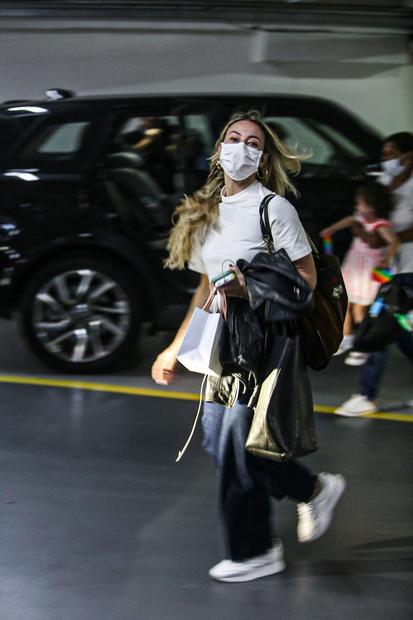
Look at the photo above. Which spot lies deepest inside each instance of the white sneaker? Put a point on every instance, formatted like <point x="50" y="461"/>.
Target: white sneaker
<point x="356" y="358"/>
<point x="345" y="345"/>
<point x="263" y="565"/>
<point x="315" y="517"/>
<point x="357" y="405"/>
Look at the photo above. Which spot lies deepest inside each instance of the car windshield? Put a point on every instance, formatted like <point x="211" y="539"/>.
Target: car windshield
<point x="12" y="129"/>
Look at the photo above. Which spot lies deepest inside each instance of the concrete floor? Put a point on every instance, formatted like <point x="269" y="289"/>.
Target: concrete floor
<point x="97" y="522"/>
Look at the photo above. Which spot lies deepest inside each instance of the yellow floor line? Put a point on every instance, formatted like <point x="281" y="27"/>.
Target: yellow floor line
<point x="159" y="393"/>
<point x="386" y="415"/>
<point x="98" y="387"/>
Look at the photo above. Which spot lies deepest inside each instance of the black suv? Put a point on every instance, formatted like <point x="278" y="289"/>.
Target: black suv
<point x="87" y="189"/>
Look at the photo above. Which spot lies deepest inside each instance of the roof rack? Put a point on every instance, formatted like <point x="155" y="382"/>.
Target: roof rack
<point x="59" y="93"/>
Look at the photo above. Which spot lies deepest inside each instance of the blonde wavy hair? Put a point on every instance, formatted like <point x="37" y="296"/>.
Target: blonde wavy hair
<point x="197" y="213"/>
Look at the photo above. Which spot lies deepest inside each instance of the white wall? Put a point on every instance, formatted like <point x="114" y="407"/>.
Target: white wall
<point x="370" y="73"/>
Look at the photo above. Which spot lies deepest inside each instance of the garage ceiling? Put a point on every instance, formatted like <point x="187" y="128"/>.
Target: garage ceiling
<point x="393" y="14"/>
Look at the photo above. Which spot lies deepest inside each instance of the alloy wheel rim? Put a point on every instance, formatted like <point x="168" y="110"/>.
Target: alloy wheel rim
<point x="81" y="315"/>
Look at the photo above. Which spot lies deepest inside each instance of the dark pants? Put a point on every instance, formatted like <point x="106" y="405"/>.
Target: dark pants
<point x="374" y="368"/>
<point x="247" y="482"/>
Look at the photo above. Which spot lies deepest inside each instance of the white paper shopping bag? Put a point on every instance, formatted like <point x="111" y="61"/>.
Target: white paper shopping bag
<point x="199" y="350"/>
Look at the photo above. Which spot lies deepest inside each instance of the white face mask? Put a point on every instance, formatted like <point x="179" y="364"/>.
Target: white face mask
<point x="392" y="167"/>
<point x="239" y="160"/>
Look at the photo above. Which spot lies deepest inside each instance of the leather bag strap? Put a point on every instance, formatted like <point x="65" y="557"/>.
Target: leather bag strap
<point x="266" y="227"/>
<point x="265" y="224"/>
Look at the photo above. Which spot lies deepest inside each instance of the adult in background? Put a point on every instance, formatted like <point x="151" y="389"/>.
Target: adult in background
<point x="397" y="164"/>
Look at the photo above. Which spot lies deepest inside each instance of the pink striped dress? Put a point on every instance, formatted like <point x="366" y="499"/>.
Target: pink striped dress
<point x="358" y="264"/>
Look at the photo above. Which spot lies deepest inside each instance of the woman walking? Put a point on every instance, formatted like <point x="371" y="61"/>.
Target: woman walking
<point x="220" y="223"/>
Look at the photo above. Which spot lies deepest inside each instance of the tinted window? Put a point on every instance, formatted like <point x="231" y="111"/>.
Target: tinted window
<point x="328" y="146"/>
<point x="156" y="142"/>
<point x="12" y="129"/>
<point x="56" y="141"/>
<point x="145" y="171"/>
<point x="197" y="146"/>
<point x="296" y="133"/>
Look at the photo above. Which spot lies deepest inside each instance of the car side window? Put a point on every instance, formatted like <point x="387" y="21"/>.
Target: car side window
<point x="296" y="133"/>
<point x="56" y="141"/>
<point x="154" y="140"/>
<point x="197" y="147"/>
<point x="330" y="150"/>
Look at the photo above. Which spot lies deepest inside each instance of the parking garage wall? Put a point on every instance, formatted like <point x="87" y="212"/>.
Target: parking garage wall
<point x="370" y="73"/>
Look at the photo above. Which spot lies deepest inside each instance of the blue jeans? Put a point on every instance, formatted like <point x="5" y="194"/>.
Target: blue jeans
<point x="247" y="482"/>
<point x="374" y="368"/>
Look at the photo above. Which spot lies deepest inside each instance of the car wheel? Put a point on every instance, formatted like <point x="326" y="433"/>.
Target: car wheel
<point x="82" y="315"/>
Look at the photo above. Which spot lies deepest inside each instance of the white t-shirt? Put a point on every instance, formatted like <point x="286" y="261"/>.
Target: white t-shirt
<point x="237" y="232"/>
<point x="402" y="218"/>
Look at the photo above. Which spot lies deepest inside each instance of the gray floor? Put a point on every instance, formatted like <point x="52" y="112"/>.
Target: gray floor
<point x="97" y="522"/>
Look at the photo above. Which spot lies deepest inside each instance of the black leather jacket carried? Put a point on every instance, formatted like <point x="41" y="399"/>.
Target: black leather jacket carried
<point x="277" y="294"/>
<point x="273" y="280"/>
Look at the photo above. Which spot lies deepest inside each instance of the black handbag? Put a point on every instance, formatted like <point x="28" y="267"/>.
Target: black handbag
<point x="379" y="329"/>
<point x="321" y="329"/>
<point x="283" y="425"/>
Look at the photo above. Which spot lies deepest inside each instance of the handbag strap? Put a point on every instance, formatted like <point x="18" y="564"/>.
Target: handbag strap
<point x="265" y="224"/>
<point x="210" y="299"/>
<point x="222" y="301"/>
<point x="312" y="245"/>
<point x="188" y="441"/>
<point x="266" y="227"/>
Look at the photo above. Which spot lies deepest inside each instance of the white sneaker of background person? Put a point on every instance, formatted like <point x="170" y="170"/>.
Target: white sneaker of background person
<point x="357" y="405"/>
<point x="314" y="517"/>
<point x="356" y="358"/>
<point x="345" y="345"/>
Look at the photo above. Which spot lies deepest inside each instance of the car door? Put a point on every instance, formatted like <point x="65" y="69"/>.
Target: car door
<point x="142" y="179"/>
<point x="44" y="183"/>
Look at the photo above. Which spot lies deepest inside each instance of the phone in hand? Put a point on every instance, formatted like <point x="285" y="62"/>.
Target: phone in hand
<point x="224" y="278"/>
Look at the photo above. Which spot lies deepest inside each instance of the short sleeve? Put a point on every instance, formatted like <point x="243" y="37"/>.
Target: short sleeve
<point x="195" y="262"/>
<point x="381" y="224"/>
<point x="287" y="230"/>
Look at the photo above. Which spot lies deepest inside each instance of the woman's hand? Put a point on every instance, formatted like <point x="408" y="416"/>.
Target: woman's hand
<point x="164" y="367"/>
<point x="234" y="289"/>
<point x="383" y="263"/>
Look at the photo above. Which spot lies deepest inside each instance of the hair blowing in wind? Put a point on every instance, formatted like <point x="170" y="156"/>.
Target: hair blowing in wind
<point x="197" y="213"/>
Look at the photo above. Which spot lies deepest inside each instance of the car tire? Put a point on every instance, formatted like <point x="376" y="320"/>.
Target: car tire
<point x="82" y="314"/>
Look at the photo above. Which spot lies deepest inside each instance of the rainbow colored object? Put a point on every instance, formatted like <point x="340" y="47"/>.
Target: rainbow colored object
<point x="328" y="244"/>
<point x="382" y="274"/>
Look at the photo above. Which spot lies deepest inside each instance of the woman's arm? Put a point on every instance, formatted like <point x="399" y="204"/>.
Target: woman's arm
<point x="346" y="222"/>
<point x="392" y="242"/>
<point x="163" y="369"/>
<point x="306" y="268"/>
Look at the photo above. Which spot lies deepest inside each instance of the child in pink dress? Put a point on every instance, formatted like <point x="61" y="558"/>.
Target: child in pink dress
<point x="373" y="205"/>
